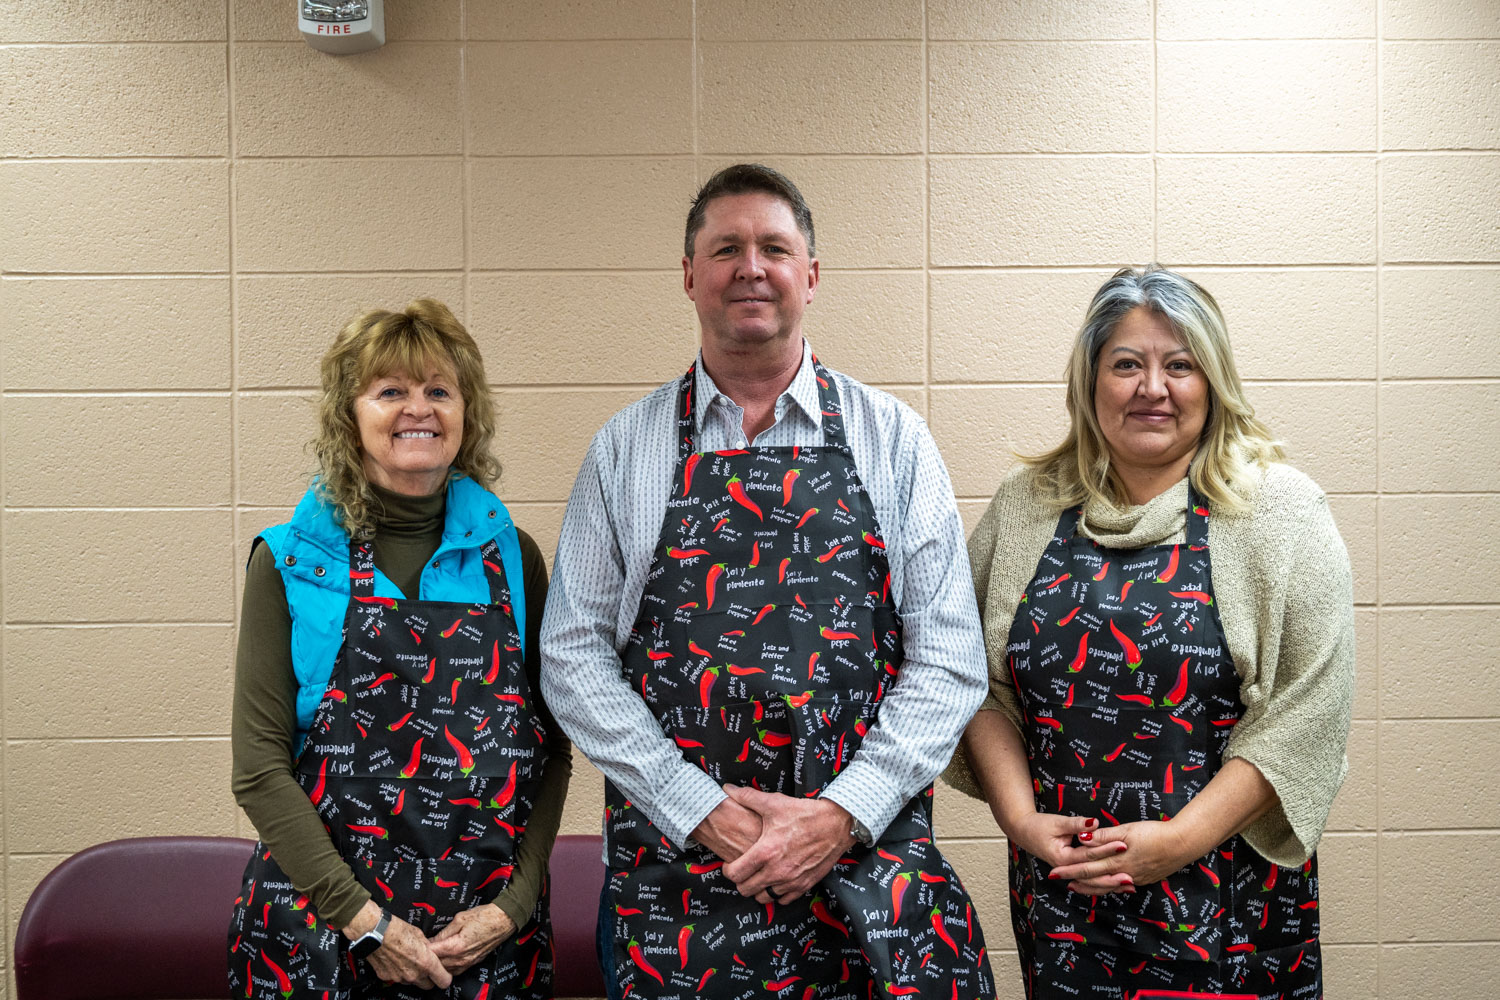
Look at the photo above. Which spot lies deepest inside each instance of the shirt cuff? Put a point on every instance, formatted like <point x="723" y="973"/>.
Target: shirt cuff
<point x="686" y="801"/>
<point x="867" y="795"/>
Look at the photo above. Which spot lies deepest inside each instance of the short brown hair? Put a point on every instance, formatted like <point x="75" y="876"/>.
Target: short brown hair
<point x="421" y="338"/>
<point x="749" y="178"/>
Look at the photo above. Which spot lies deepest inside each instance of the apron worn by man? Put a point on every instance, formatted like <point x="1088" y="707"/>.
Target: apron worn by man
<point x="765" y="641"/>
<point x="423" y="760"/>
<point x="1129" y="696"/>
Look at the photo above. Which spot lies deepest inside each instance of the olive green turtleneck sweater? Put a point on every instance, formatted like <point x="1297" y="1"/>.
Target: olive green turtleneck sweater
<point x="407" y="533"/>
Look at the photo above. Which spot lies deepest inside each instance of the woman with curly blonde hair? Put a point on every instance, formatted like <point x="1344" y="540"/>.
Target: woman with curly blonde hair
<point x="390" y="742"/>
<point x="1168" y="614"/>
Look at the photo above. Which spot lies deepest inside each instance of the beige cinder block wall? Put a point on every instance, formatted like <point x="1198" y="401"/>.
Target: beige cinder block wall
<point x="191" y="200"/>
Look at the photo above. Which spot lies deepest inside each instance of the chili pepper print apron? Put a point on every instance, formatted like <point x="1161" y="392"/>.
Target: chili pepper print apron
<point x="423" y="760"/>
<point x="1129" y="696"/>
<point x="764" y="644"/>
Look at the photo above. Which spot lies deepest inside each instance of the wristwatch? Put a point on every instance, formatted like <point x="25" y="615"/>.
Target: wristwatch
<point x="366" y="943"/>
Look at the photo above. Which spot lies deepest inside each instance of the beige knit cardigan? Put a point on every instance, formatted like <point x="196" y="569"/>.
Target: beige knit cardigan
<point x="1284" y="591"/>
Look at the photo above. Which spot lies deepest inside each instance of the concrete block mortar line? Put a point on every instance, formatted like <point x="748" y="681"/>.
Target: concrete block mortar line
<point x="1379" y="485"/>
<point x="925" y="106"/>
<point x="465" y="180"/>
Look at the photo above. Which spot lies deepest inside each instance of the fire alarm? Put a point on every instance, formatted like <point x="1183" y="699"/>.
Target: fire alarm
<point x="342" y="27"/>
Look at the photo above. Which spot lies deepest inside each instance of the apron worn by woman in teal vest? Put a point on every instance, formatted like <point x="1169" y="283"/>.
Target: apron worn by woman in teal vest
<point x="765" y="641"/>
<point x="424" y="759"/>
<point x="1129" y="696"/>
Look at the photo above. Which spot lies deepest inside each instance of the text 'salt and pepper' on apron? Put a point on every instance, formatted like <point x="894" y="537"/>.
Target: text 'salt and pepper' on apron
<point x="766" y="639"/>
<point x="424" y="759"/>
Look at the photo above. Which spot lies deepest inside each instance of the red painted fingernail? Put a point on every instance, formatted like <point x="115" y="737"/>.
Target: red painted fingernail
<point x="1126" y="880"/>
<point x="1085" y="836"/>
<point x="1090" y="822"/>
<point x="1119" y="849"/>
<point x="1052" y="875"/>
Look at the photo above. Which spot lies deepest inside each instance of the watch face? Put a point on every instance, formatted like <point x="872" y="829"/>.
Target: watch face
<point x="365" y="946"/>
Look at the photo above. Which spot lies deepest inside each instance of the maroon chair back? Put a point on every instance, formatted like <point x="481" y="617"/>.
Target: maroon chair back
<point x="577" y="875"/>
<point x="147" y="919"/>
<point x="142" y="919"/>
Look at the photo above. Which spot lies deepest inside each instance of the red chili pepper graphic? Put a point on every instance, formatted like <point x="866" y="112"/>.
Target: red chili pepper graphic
<point x="400" y="802"/>
<point x="831" y="635"/>
<point x="685" y="553"/>
<point x="1270" y="882"/>
<point x="453" y="691"/>
<point x="431" y="669"/>
<point x="744" y="751"/>
<point x="627" y="911"/>
<point x="1139" y="699"/>
<point x="1152" y="620"/>
<point x="786" y="485"/>
<point x="739" y="671"/>
<point x="657" y="655"/>
<point x="682" y="943"/>
<point x="872" y="541"/>
<point x="389" y="602"/>
<point x="1185" y="724"/>
<point x="704" y="869"/>
<point x="942" y="932"/>
<point x="1212" y="877"/>
<point x="1201" y="511"/>
<point x="1179" y="690"/>
<point x="1171" y="570"/>
<point x="755" y="556"/>
<point x="1055" y="583"/>
<point x="1083" y="652"/>
<point x="736" y="490"/>
<point x="471" y="802"/>
<point x="1102" y="571"/>
<point x="777" y="985"/>
<point x="400" y="722"/>
<point x="1131" y="650"/>
<point x="443" y="883"/>
<point x="1069" y="616"/>
<point x="1166" y="785"/>
<point x="762" y="613"/>
<point x="720" y="523"/>
<point x="465" y="759"/>
<point x="812" y="662"/>
<point x="899" y="885"/>
<point x="705" y="979"/>
<point x="1197" y="950"/>
<point x="374" y="831"/>
<point x="697" y="650"/>
<point x="379" y="681"/>
<point x="317" y="792"/>
<point x="427" y="908"/>
<point x="1117" y="751"/>
<point x="771" y="739"/>
<point x="1195" y="595"/>
<point x="249" y="983"/>
<point x="416" y="760"/>
<point x="882" y="852"/>
<point x="1125" y="590"/>
<point x="706" y="683"/>
<point x="282" y="982"/>
<point x="900" y="991"/>
<point x="494" y="671"/>
<point x="712" y="579"/>
<point x="685" y="743"/>
<point x="447" y="633"/>
<point x="798" y="700"/>
<point x="687" y="470"/>
<point x="829" y="554"/>
<point x="1049" y="723"/>
<point x="1311" y="904"/>
<point x="504" y="795"/>
<point x="1072" y="936"/>
<point x="810" y="512"/>
<point x="384" y="888"/>
<point x="504" y="871"/>
<point x="336" y="695"/>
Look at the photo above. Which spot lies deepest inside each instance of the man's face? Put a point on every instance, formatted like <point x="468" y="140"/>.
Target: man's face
<point x="750" y="274"/>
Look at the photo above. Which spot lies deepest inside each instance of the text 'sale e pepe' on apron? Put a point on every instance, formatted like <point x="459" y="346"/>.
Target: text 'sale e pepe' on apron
<point x="423" y="760"/>
<point x="765" y="642"/>
<point x="1129" y="697"/>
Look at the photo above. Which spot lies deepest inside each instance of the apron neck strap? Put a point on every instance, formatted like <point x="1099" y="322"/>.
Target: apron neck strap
<point x="829" y="405"/>
<point x="500" y="590"/>
<point x="1197" y="519"/>
<point x="361" y="568"/>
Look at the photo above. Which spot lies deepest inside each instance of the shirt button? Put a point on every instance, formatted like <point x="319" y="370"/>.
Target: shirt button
<point x="492" y="513"/>
<point x="318" y="571"/>
<point x="468" y="533"/>
<point x="291" y="560"/>
<point x="436" y="563"/>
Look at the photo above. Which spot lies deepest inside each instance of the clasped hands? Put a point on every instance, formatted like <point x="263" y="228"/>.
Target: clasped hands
<point x="1104" y="860"/>
<point x="408" y="956"/>
<point x="776" y="847"/>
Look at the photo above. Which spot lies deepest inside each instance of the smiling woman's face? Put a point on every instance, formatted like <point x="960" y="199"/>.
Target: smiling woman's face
<point x="1150" y="396"/>
<point x="409" y="430"/>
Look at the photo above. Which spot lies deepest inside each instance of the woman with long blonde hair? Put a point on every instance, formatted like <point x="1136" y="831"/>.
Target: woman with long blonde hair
<point x="1168" y="615"/>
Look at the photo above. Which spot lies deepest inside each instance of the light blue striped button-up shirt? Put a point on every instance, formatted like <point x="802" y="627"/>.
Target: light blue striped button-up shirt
<point x="610" y="533"/>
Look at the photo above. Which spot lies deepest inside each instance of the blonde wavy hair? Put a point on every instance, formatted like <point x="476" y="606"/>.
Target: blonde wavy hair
<point x="422" y="338"/>
<point x="1235" y="445"/>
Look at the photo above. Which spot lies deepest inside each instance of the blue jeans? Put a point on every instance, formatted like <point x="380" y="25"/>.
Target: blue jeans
<point x="604" y="943"/>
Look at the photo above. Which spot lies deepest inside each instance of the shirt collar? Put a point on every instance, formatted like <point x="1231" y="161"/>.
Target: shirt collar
<point x="803" y="391"/>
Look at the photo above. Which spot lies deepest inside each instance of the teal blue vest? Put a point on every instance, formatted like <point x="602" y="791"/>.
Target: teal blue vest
<point x="312" y="553"/>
